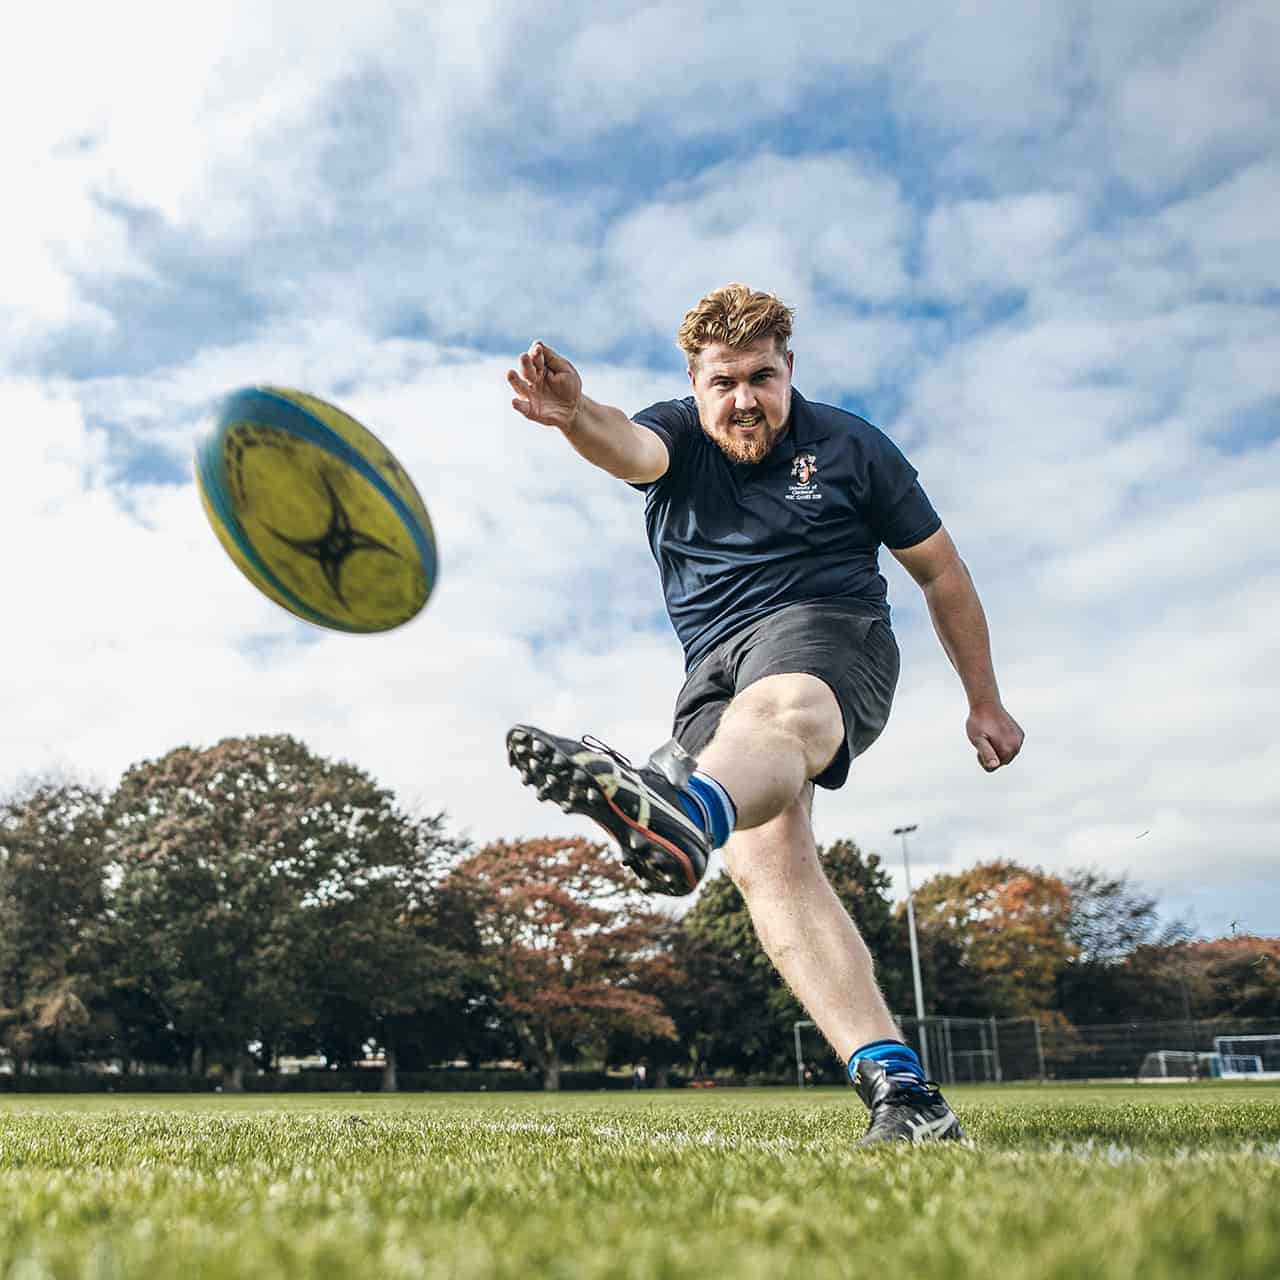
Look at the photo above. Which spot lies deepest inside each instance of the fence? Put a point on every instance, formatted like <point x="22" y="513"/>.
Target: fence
<point x="991" y="1050"/>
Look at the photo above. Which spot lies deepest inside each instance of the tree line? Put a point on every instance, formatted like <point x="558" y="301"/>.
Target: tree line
<point x="224" y="907"/>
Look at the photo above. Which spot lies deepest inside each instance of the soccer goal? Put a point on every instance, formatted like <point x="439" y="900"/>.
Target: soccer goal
<point x="1248" y="1057"/>
<point x="1175" y="1065"/>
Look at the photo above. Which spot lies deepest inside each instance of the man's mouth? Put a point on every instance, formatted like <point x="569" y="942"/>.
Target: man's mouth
<point x="747" y="424"/>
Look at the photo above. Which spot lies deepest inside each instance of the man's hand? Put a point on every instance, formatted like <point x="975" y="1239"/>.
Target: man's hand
<point x="548" y="388"/>
<point x="996" y="734"/>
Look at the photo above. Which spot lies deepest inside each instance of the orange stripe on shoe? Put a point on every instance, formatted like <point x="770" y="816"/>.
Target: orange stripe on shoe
<point x="682" y="857"/>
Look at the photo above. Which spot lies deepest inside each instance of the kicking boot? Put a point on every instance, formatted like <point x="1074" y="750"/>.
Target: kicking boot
<point x="639" y="807"/>
<point x="900" y="1113"/>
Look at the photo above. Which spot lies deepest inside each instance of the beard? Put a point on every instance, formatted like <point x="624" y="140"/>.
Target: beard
<point x="751" y="450"/>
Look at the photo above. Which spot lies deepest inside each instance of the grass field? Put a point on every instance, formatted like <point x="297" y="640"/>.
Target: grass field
<point x="1100" y="1182"/>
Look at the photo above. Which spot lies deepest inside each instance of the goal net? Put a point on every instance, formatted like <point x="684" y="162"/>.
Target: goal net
<point x="1248" y="1057"/>
<point x="1176" y="1065"/>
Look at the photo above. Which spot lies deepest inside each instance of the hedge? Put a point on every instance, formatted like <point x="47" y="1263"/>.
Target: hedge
<point x="367" y="1081"/>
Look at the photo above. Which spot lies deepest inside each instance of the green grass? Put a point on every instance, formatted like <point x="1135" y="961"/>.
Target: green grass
<point x="1101" y="1182"/>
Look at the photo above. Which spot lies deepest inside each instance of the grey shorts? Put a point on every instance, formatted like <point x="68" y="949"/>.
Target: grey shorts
<point x="856" y="656"/>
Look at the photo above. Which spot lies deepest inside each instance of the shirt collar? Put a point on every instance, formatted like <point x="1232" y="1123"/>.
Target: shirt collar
<point x="803" y="425"/>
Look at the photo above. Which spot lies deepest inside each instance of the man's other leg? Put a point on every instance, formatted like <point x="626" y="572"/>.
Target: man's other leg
<point x="760" y="745"/>
<point x="805" y="930"/>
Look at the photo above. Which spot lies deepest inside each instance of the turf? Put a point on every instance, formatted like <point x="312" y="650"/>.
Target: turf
<point x="1098" y="1182"/>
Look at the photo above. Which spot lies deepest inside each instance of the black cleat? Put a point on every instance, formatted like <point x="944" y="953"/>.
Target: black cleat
<point x="902" y="1115"/>
<point x="638" y="807"/>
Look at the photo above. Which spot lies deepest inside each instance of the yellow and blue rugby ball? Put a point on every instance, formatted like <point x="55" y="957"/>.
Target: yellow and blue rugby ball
<point x="315" y="511"/>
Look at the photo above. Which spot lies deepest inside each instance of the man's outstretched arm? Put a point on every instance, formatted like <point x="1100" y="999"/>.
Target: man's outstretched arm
<point x="961" y="625"/>
<point x="548" y="390"/>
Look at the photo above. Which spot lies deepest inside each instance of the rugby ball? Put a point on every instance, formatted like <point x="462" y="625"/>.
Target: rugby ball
<point x="315" y="511"/>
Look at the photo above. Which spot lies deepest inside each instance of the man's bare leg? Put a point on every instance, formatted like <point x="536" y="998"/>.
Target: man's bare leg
<point x="806" y="932"/>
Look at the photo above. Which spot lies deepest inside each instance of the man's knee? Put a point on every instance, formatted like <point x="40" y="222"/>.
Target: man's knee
<point x="802" y="707"/>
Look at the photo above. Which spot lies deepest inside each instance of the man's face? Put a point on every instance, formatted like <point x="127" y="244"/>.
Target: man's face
<point x="743" y="396"/>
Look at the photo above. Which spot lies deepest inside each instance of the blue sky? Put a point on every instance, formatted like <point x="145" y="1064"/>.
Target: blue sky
<point x="1039" y="249"/>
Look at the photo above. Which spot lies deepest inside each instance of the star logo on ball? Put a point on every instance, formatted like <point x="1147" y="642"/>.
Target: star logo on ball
<point x="336" y="545"/>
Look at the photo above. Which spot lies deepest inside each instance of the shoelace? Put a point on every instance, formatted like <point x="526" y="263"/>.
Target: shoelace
<point x="927" y="1092"/>
<point x="588" y="741"/>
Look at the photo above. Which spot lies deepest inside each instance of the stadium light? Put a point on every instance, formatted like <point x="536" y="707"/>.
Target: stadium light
<point x="915" y="952"/>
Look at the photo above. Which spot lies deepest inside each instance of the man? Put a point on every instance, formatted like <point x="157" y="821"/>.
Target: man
<point x="765" y="514"/>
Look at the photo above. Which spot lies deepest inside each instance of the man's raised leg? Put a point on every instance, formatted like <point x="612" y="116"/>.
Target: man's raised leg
<point x="772" y="738"/>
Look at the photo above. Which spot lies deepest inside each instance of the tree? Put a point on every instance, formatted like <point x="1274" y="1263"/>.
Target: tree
<point x="51" y="894"/>
<point x="696" y="983"/>
<point x="1116" y="929"/>
<point x="1109" y="917"/>
<point x="1242" y="976"/>
<point x="1159" y="981"/>
<point x="393" y="960"/>
<point x="236" y="866"/>
<point x="568" y="933"/>
<point x="1009" y="927"/>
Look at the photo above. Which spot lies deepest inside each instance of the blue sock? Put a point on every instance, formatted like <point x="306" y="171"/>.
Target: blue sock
<point x="710" y="806"/>
<point x="899" y="1061"/>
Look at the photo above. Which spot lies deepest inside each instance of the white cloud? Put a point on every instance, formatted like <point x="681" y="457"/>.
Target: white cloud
<point x="981" y="247"/>
<point x="1204" y="94"/>
<point x="978" y="68"/>
<point x="226" y="124"/>
<point x="771" y="221"/>
<point x="1226" y="232"/>
<point x="1204" y="541"/>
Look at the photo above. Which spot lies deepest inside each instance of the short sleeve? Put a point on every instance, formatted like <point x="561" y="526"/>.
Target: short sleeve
<point x="673" y="422"/>
<point x="901" y="511"/>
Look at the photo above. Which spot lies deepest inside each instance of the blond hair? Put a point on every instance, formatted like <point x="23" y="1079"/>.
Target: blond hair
<point x="737" y="315"/>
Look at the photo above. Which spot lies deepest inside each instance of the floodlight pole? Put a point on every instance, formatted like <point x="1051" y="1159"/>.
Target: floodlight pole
<point x="915" y="952"/>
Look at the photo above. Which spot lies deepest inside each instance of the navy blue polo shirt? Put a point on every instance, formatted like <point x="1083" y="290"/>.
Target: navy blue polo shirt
<point x="737" y="541"/>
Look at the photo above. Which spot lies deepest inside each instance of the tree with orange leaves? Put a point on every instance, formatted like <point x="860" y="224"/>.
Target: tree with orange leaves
<point x="569" y="935"/>
<point x="1011" y="925"/>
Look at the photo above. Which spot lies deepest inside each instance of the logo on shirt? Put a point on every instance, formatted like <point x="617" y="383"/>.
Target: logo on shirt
<point x="804" y="484"/>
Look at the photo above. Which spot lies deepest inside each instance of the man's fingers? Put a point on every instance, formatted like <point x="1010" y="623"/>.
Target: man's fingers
<point x="1012" y="743"/>
<point x="554" y="360"/>
<point x="543" y="394"/>
<point x="991" y="757"/>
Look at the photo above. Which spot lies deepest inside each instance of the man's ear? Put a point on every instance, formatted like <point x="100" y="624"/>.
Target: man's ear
<point x="791" y="362"/>
<point x="693" y="381"/>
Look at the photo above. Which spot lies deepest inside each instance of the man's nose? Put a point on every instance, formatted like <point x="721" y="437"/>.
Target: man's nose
<point x="744" y="399"/>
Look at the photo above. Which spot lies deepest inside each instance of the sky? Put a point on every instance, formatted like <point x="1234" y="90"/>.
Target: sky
<point x="1037" y="245"/>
